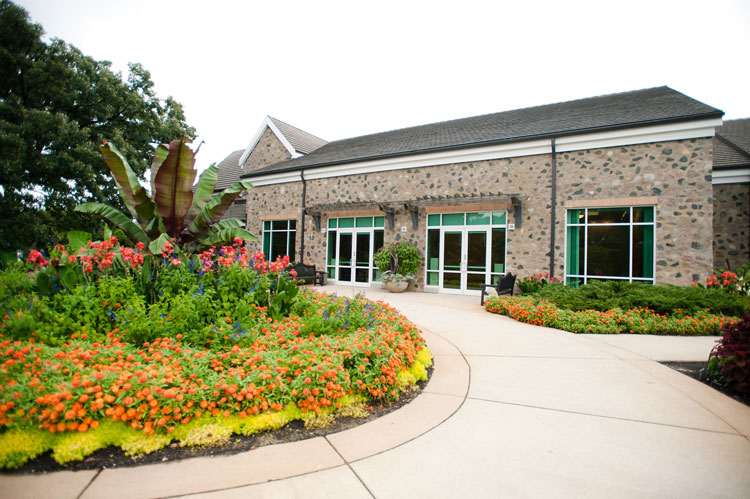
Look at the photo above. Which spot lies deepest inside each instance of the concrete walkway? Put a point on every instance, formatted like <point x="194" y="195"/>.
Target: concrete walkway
<point x="512" y="410"/>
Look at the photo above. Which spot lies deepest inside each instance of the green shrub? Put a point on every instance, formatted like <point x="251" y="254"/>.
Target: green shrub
<point x="399" y="258"/>
<point x="662" y="299"/>
<point x="532" y="284"/>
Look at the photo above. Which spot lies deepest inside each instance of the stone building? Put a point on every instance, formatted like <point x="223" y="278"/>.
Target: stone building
<point x="731" y="183"/>
<point x="611" y="187"/>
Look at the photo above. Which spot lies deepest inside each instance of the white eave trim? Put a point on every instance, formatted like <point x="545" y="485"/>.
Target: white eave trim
<point x="735" y="176"/>
<point x="267" y="122"/>
<point x="632" y="136"/>
<point x="640" y="135"/>
<point x="275" y="178"/>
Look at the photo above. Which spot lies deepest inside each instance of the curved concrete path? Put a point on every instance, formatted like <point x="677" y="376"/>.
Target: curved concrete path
<point x="511" y="410"/>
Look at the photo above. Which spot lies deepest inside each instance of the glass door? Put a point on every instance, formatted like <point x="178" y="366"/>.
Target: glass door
<point x="452" y="260"/>
<point x="362" y="258"/>
<point x="476" y="259"/>
<point x="346" y="248"/>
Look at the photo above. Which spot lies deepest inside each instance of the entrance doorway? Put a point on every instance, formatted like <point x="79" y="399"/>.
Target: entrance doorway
<point x="352" y="242"/>
<point x="465" y="251"/>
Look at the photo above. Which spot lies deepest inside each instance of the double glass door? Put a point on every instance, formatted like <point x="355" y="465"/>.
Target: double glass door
<point x="352" y="242"/>
<point x="465" y="251"/>
<point x="465" y="259"/>
<point x="355" y="257"/>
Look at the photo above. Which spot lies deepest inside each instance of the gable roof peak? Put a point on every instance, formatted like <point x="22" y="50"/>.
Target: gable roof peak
<point x="296" y="141"/>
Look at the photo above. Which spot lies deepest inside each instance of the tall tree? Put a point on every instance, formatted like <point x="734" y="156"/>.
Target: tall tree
<point x="56" y="107"/>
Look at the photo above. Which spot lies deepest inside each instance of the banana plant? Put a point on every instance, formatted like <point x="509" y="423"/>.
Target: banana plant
<point x="190" y="218"/>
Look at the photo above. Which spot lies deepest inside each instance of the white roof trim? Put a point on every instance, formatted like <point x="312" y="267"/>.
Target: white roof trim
<point x="735" y="176"/>
<point x="267" y="122"/>
<point x="631" y="136"/>
<point x="276" y="178"/>
<point x="640" y="135"/>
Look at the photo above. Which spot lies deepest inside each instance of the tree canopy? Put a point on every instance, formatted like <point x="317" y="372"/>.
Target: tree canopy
<point x="56" y="107"/>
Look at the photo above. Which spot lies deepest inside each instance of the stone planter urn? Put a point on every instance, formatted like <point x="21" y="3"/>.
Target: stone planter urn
<point x="397" y="286"/>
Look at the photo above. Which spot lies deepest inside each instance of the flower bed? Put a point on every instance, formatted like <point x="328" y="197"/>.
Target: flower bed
<point x="541" y="312"/>
<point x="221" y="343"/>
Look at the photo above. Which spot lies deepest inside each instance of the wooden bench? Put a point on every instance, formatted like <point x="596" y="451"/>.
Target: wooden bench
<point x="306" y="274"/>
<point x="504" y="286"/>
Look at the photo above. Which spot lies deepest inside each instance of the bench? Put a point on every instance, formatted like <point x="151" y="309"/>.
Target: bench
<point x="504" y="286"/>
<point x="306" y="274"/>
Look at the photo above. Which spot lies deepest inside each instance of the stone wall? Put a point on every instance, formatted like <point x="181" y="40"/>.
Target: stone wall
<point x="676" y="173"/>
<point x="274" y="202"/>
<point x="731" y="225"/>
<point x="267" y="151"/>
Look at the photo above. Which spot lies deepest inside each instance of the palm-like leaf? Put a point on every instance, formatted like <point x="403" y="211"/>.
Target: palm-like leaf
<point x="215" y="209"/>
<point x="137" y="200"/>
<point x="227" y="224"/>
<point x="203" y="192"/>
<point x="157" y="245"/>
<point x="173" y="182"/>
<point x="224" y="236"/>
<point x="116" y="217"/>
<point x="161" y="153"/>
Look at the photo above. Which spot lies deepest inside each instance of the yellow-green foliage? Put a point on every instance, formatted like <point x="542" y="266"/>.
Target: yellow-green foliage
<point x="76" y="446"/>
<point x="141" y="443"/>
<point x="418" y="371"/>
<point x="425" y="357"/>
<point x="68" y="447"/>
<point x="208" y="435"/>
<point x="318" y="420"/>
<point x="18" y="446"/>
<point x="356" y="409"/>
<point x="260" y="422"/>
<point x="406" y="378"/>
<point x="422" y="362"/>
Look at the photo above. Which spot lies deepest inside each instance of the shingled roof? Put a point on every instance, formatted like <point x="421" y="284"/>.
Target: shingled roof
<point x="732" y="144"/>
<point x="229" y="171"/>
<point x="302" y="141"/>
<point x="609" y="112"/>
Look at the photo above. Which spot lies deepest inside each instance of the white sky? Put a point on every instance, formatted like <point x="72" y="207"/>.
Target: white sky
<point x="342" y="69"/>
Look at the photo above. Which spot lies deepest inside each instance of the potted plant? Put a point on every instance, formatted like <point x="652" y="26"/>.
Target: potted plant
<point x="398" y="263"/>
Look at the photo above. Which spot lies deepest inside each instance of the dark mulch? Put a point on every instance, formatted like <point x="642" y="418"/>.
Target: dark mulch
<point x="695" y="371"/>
<point x="114" y="457"/>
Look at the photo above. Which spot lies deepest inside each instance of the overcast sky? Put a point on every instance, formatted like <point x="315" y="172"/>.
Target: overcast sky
<point x="342" y="69"/>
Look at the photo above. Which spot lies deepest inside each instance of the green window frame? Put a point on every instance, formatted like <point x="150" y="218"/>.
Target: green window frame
<point x="612" y="243"/>
<point x="279" y="238"/>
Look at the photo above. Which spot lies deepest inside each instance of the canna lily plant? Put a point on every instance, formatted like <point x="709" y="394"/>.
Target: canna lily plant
<point x="191" y="219"/>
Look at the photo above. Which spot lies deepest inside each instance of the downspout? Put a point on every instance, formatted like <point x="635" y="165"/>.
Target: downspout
<point x="304" y="205"/>
<point x="553" y="215"/>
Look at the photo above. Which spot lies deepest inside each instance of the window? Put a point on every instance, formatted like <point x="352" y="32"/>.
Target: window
<point x="610" y="244"/>
<point x="279" y="238"/>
